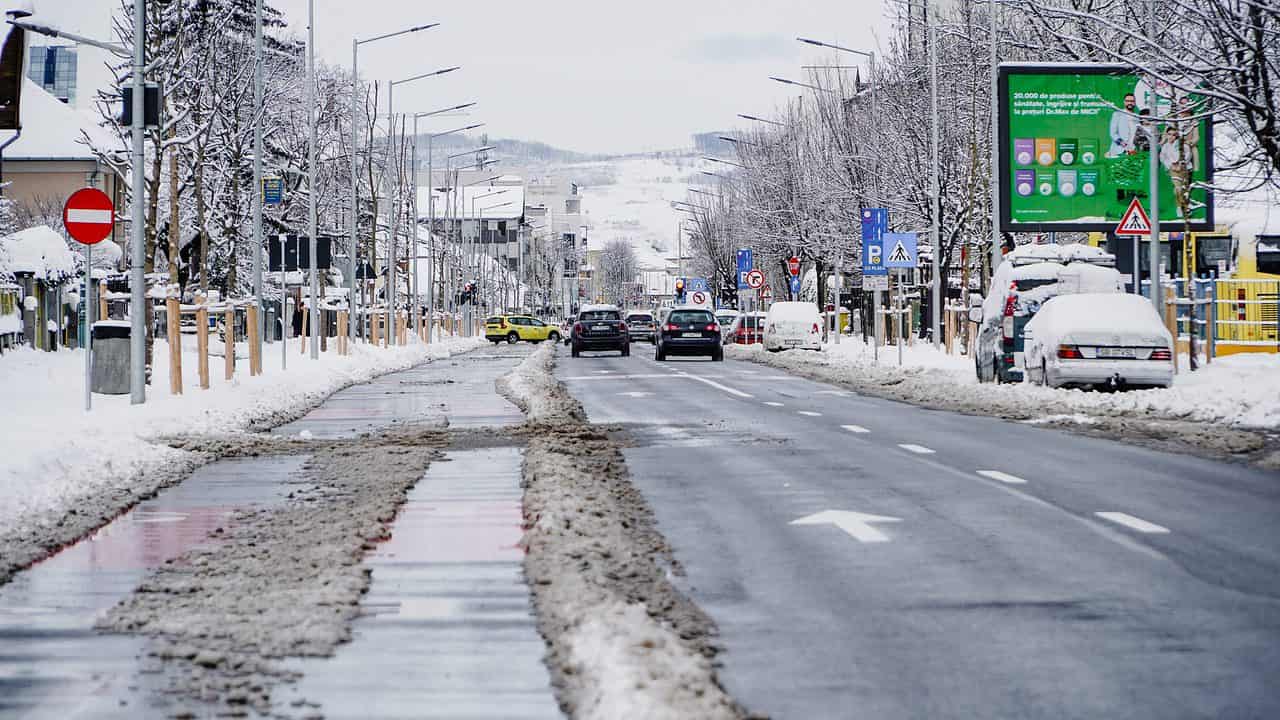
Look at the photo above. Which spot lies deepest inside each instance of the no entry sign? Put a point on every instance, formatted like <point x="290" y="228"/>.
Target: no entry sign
<point x="89" y="216"/>
<point x="793" y="265"/>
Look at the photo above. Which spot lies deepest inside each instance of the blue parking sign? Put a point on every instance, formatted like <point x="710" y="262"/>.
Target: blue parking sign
<point x="874" y="223"/>
<point x="745" y="264"/>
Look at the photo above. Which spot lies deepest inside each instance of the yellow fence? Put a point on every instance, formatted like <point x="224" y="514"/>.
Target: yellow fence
<point x="1245" y="318"/>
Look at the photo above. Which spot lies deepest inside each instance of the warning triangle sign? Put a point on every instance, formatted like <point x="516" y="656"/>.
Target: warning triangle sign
<point x="899" y="254"/>
<point x="1135" y="221"/>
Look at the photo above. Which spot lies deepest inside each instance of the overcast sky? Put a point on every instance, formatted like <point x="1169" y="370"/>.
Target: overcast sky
<point x="605" y="76"/>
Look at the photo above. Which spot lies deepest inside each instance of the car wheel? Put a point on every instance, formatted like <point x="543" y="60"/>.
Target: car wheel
<point x="717" y="356"/>
<point x="659" y="355"/>
<point x="554" y="337"/>
<point x="512" y="338"/>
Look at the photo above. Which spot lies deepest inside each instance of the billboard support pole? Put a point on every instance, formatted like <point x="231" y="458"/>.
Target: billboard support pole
<point x="1154" y="249"/>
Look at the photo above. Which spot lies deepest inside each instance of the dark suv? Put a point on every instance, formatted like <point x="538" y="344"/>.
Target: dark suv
<point x="600" y="327"/>
<point x="690" y="331"/>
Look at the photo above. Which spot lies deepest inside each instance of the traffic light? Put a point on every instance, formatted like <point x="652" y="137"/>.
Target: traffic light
<point x="679" y="290"/>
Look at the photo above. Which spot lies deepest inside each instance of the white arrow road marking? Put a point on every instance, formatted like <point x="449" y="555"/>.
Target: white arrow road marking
<point x="770" y="403"/>
<point x="856" y="524"/>
<point x="917" y="449"/>
<point x="1130" y="521"/>
<point x="1002" y="477"/>
<point x="855" y="428"/>
<point x="636" y="394"/>
<point x="809" y="413"/>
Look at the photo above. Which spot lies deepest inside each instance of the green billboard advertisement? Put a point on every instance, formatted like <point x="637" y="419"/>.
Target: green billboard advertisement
<point x="1076" y="148"/>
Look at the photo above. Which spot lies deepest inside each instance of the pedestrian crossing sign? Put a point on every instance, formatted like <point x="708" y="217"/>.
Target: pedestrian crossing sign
<point x="902" y="250"/>
<point x="1135" y="221"/>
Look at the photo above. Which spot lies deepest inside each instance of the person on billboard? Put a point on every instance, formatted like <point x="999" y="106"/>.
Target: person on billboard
<point x="1124" y="125"/>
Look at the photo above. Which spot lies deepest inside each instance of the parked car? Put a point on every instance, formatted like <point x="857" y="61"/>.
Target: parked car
<point x="514" y="328"/>
<point x="747" y="329"/>
<point x="640" y="325"/>
<point x="1112" y="340"/>
<point x="689" y="331"/>
<point x="725" y="318"/>
<point x="790" y="325"/>
<point x="600" y="327"/>
<point x="1029" y="277"/>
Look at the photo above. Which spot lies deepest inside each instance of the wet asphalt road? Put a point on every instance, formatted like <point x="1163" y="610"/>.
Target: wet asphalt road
<point x="1015" y="571"/>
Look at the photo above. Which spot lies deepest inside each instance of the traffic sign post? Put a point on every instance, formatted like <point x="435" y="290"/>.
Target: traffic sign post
<point x="874" y="274"/>
<point x="1135" y="223"/>
<point x="902" y="255"/>
<point x="89" y="217"/>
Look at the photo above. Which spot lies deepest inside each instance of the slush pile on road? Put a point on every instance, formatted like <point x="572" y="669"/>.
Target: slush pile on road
<point x="623" y="641"/>
<point x="286" y="581"/>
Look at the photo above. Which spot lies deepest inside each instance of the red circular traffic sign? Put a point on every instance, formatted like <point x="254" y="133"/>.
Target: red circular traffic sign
<point x="755" y="279"/>
<point x="699" y="297"/>
<point x="89" y="216"/>
<point x="793" y="265"/>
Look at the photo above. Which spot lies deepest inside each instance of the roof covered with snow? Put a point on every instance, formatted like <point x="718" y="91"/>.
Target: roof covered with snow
<point x="53" y="130"/>
<point x="39" y="251"/>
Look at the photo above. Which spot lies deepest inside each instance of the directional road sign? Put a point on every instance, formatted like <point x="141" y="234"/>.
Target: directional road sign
<point x="900" y="250"/>
<point x="795" y="285"/>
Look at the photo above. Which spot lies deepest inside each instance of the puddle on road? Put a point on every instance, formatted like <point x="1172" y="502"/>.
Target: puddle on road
<point x="52" y="663"/>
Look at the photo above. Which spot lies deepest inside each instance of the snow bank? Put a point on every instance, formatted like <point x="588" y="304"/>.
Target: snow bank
<point x="58" y="457"/>
<point x="1240" y="391"/>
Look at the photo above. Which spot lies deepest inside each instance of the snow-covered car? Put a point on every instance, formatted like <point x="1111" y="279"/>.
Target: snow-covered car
<point x="1099" y="339"/>
<point x="725" y="318"/>
<point x="792" y="325"/>
<point x="1028" y="278"/>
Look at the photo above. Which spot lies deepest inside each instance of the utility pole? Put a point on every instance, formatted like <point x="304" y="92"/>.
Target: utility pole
<point x="996" y="150"/>
<point x="1154" y="250"/>
<point x="137" y="253"/>
<point x="311" y="177"/>
<point x="935" y="307"/>
<point x="352" y="243"/>
<point x="257" y="178"/>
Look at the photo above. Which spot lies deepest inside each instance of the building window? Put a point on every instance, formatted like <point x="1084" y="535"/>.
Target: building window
<point x="53" y="67"/>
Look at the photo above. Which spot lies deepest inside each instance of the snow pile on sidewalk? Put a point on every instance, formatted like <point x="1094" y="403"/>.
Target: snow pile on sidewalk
<point x="623" y="642"/>
<point x="60" y="460"/>
<point x="1240" y="390"/>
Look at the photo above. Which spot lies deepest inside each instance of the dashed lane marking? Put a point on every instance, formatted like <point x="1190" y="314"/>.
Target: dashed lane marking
<point x="770" y="403"/>
<point x="917" y="449"/>
<point x="1002" y="477"/>
<point x="809" y="413"/>
<point x="1132" y="522"/>
<point x="855" y="428"/>
<point x="716" y="385"/>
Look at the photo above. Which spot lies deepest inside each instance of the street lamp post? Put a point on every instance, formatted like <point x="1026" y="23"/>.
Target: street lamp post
<point x="484" y="266"/>
<point x="431" y="207"/>
<point x="393" y="209"/>
<point x="355" y="88"/>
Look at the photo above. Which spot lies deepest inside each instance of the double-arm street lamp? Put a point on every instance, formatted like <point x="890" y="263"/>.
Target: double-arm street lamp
<point x="393" y="198"/>
<point x="355" y="185"/>
<point x="431" y="209"/>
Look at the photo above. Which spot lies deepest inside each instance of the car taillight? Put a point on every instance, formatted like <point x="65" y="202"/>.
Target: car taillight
<point x="1161" y="354"/>
<point x="1007" y="327"/>
<point x="713" y="327"/>
<point x="577" y="327"/>
<point x="622" y="327"/>
<point x="672" y="327"/>
<point x="1069" y="352"/>
<point x="741" y="333"/>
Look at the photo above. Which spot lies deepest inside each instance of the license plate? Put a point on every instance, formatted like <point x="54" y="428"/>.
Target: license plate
<point x="1106" y="352"/>
<point x="690" y="334"/>
<point x="599" y="327"/>
<point x="794" y="342"/>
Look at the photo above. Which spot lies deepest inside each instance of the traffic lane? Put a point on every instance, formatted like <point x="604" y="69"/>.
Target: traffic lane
<point x="1219" y="516"/>
<point x="973" y="590"/>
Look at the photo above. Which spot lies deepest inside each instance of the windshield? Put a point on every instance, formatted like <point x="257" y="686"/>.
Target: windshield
<point x="686" y="317"/>
<point x="599" y="315"/>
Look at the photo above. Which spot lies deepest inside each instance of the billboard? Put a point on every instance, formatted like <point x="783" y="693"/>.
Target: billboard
<point x="1075" y="147"/>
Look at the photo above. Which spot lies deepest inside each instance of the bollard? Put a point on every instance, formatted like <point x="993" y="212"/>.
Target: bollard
<point x="229" y="342"/>
<point x="173" y="325"/>
<point x="202" y="344"/>
<point x="255" y="358"/>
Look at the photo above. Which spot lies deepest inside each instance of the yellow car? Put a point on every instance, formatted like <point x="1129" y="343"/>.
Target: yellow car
<point x="514" y="328"/>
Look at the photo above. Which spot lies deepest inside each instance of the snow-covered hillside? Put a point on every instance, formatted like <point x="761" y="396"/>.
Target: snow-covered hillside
<point x="636" y="206"/>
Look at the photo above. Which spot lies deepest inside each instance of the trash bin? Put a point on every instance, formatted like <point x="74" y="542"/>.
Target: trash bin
<point x="270" y="331"/>
<point x="110" y="375"/>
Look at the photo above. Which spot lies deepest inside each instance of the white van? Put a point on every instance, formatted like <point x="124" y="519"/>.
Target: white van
<point x="792" y="325"/>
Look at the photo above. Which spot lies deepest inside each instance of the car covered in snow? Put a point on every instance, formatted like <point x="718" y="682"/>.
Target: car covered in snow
<point x="1028" y="278"/>
<point x="1111" y="340"/>
<point x="792" y="325"/>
